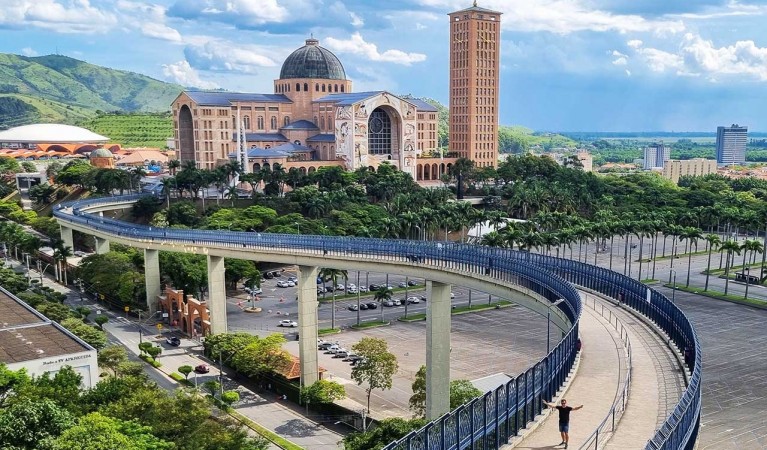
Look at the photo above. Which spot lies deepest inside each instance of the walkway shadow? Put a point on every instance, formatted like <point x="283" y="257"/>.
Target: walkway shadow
<point x="296" y="428"/>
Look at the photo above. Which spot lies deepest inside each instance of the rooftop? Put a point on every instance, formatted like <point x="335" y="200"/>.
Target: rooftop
<point x="223" y="98"/>
<point x="312" y="61"/>
<point x="50" y="133"/>
<point x="347" y="99"/>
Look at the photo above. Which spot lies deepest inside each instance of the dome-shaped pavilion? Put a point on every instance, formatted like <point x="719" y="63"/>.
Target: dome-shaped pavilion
<point x="312" y="61"/>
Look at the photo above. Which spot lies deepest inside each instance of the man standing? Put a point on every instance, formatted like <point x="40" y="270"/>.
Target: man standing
<point x="564" y="419"/>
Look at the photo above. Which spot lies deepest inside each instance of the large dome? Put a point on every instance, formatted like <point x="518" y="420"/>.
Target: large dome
<point x="50" y="133"/>
<point x="312" y="61"/>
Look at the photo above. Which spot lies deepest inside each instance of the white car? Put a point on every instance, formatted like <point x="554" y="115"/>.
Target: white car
<point x="291" y="283"/>
<point x="288" y="323"/>
<point x="452" y="295"/>
<point x="340" y="287"/>
<point x="413" y="300"/>
<point x="351" y="290"/>
<point x="283" y="284"/>
<point x="363" y="289"/>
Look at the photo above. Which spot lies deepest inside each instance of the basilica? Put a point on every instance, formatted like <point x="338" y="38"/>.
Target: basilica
<point x="312" y="119"/>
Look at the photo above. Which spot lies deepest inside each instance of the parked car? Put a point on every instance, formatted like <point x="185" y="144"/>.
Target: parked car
<point x="349" y="357"/>
<point x="268" y="275"/>
<point x="374" y="287"/>
<point x="341" y="353"/>
<point x="291" y="284"/>
<point x="202" y="368"/>
<point x="333" y="349"/>
<point x="389" y="287"/>
<point x="173" y="340"/>
<point x="363" y="289"/>
<point x="363" y="307"/>
<point x="412" y="300"/>
<point x="351" y="291"/>
<point x="358" y="361"/>
<point x="352" y="308"/>
<point x="388" y="303"/>
<point x="293" y="279"/>
<point x="320" y="290"/>
<point x="277" y="273"/>
<point x="340" y="287"/>
<point x="452" y="295"/>
<point x="282" y="284"/>
<point x="288" y="323"/>
<point x="254" y="291"/>
<point x="412" y="283"/>
<point x="397" y="302"/>
<point x="324" y="345"/>
<point x="351" y="286"/>
<point x="372" y="305"/>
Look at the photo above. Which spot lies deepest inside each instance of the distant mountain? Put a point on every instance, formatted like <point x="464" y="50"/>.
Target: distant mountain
<point x="57" y="88"/>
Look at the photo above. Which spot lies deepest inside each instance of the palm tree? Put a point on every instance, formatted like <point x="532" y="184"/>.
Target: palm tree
<point x="548" y="240"/>
<point x="691" y="235"/>
<point x="383" y="294"/>
<point x="712" y="242"/>
<point x="566" y="237"/>
<point x="732" y="248"/>
<point x="512" y="235"/>
<point x="173" y="165"/>
<point x="60" y="255"/>
<point x="231" y="194"/>
<point x="461" y="168"/>
<point x="750" y="245"/>
<point x="493" y="239"/>
<point x="168" y="184"/>
<point x="333" y="275"/>
<point x="675" y="231"/>
<point x="642" y="230"/>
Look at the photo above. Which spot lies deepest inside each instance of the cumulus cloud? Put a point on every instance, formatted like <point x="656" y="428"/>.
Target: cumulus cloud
<point x="732" y="8"/>
<point x="358" y="46"/>
<point x="564" y="17"/>
<point x="29" y="51"/>
<point x="357" y="21"/>
<point x="233" y="11"/>
<point x="634" y="43"/>
<point x="62" y="16"/>
<point x="150" y="19"/>
<point x="219" y="55"/>
<point x="620" y="58"/>
<point x="183" y="74"/>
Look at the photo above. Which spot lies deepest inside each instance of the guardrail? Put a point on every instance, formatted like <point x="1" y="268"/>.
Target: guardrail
<point x="619" y="405"/>
<point x="491" y="420"/>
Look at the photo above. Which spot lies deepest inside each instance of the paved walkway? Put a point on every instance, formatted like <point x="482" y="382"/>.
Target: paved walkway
<point x="595" y="386"/>
<point x="267" y="411"/>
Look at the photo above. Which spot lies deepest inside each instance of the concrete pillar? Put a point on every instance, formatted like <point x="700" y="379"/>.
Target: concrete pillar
<point x="307" y="324"/>
<point x="67" y="238"/>
<point x="217" y="294"/>
<point x="437" y="349"/>
<point x="102" y="245"/>
<point x="151" y="278"/>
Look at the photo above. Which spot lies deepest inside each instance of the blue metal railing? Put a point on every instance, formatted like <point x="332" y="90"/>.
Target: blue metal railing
<point x="488" y="421"/>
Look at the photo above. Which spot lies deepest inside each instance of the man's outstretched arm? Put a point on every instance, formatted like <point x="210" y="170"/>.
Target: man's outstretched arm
<point x="550" y="405"/>
<point x="575" y="408"/>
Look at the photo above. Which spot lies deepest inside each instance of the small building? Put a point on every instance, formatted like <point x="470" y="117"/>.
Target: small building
<point x="29" y="340"/>
<point x="102" y="158"/>
<point x="675" y="169"/>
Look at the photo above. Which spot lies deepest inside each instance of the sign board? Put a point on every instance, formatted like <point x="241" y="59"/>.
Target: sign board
<point x="165" y="315"/>
<point x="127" y="309"/>
<point x="98" y="311"/>
<point x="159" y="326"/>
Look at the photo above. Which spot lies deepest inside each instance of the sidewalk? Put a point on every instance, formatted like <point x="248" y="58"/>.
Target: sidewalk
<point x="269" y="413"/>
<point x="595" y="386"/>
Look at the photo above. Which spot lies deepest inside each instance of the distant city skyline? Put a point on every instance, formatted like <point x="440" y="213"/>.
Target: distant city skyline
<point x="566" y="65"/>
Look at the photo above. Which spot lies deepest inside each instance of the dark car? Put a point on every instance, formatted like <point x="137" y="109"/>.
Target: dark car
<point x="372" y="305"/>
<point x="202" y="368"/>
<point x="412" y="283"/>
<point x="374" y="287"/>
<point x="173" y="340"/>
<point x="352" y="307"/>
<point x="268" y="275"/>
<point x="363" y="306"/>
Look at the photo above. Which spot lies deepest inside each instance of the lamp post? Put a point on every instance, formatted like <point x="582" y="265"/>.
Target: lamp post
<point x="747" y="269"/>
<point x="298" y="227"/>
<point x="548" y="324"/>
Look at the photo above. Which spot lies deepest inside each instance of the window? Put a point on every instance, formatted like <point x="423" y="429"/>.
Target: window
<point x="260" y="122"/>
<point x="342" y="88"/>
<point x="335" y="88"/>
<point x="379" y="133"/>
<point x="274" y="122"/>
<point x="316" y="87"/>
<point x="286" y="121"/>
<point x="298" y="87"/>
<point x="306" y="87"/>
<point x="323" y="88"/>
<point x="246" y="122"/>
<point x="322" y="122"/>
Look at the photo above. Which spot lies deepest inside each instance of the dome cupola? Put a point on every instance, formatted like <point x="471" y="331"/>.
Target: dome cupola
<point x="312" y="61"/>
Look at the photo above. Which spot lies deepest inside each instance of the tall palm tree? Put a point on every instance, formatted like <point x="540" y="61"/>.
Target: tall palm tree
<point x="231" y="194"/>
<point x="512" y="235"/>
<point x="60" y="255"/>
<point x="173" y="165"/>
<point x="383" y="294"/>
<point x="731" y="248"/>
<point x="333" y="275"/>
<point x="548" y="240"/>
<point x="168" y="184"/>
<point x="460" y="170"/>
<point x="750" y="245"/>
<point x="712" y="242"/>
<point x="691" y="235"/>
<point x="675" y="231"/>
<point x="493" y="239"/>
<point x="643" y="229"/>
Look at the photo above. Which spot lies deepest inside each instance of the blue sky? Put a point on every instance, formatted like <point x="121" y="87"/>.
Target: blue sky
<point x="567" y="65"/>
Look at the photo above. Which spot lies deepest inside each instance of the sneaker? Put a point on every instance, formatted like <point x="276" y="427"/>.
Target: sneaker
<point x="562" y="443"/>
<point x="565" y="444"/>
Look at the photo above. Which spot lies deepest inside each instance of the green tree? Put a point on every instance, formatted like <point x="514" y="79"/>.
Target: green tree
<point x="100" y="320"/>
<point x="212" y="386"/>
<point x="185" y="370"/>
<point x="713" y="242"/>
<point x="11" y="381"/>
<point x="386" y="432"/>
<point x="262" y="355"/>
<point x="731" y="248"/>
<point x="333" y="275"/>
<point x="322" y="391"/>
<point x="461" y="392"/>
<point x="239" y="269"/>
<point x="93" y="336"/>
<point x="230" y="397"/>
<point x="99" y="432"/>
<point x="111" y="357"/>
<point x="32" y="424"/>
<point x="55" y="311"/>
<point x="377" y="367"/>
<point x="154" y="351"/>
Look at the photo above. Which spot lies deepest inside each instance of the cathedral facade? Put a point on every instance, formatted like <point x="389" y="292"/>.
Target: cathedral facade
<point x="312" y="119"/>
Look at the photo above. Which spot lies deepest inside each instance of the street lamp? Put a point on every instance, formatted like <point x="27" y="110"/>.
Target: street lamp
<point x="298" y="227"/>
<point x="673" y="286"/>
<point x="548" y="323"/>
<point x="747" y="269"/>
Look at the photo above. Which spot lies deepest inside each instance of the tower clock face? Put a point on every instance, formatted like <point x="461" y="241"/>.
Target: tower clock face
<point x="376" y="125"/>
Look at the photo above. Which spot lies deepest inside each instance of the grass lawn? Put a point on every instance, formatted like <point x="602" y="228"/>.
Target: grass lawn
<point x="371" y="324"/>
<point x="461" y="310"/>
<point x="722" y="296"/>
<point x="327" y="331"/>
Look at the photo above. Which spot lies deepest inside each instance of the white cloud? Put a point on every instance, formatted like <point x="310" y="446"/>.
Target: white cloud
<point x="628" y="73"/>
<point x="150" y="19"/>
<point x="634" y="43"/>
<point x="357" y="21"/>
<point x="245" y="12"/>
<point x="161" y="31"/>
<point x="563" y="17"/>
<point x="61" y="16"/>
<point x="219" y="55"/>
<point x="620" y="58"/>
<point x="29" y="51"/>
<point x="183" y="74"/>
<point x="661" y="61"/>
<point x="356" y="45"/>
<point x="732" y="8"/>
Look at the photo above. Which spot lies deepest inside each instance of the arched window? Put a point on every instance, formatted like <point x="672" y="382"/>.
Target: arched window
<point x="246" y="122"/>
<point x="306" y="87"/>
<point x="322" y="122"/>
<point x="260" y="122"/>
<point x="274" y="122"/>
<point x="297" y="142"/>
<point x="323" y="88"/>
<point x="286" y="121"/>
<point x="342" y="88"/>
<point x="267" y="146"/>
<point x="335" y="88"/>
<point x="298" y="87"/>
<point x="316" y="87"/>
<point x="315" y="120"/>
<point x="379" y="133"/>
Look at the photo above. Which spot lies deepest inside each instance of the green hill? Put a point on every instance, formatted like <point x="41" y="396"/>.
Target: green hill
<point x="133" y="130"/>
<point x="57" y="88"/>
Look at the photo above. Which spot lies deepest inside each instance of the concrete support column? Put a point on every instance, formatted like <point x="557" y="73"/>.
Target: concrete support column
<point x="102" y="245"/>
<point x="217" y="294"/>
<point x="67" y="238"/>
<point x="437" y="349"/>
<point x="307" y="324"/>
<point x="151" y="278"/>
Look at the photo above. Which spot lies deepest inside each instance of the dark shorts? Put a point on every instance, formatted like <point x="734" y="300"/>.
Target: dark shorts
<point x="564" y="427"/>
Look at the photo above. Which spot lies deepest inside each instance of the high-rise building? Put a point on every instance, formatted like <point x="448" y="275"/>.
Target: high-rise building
<point x="656" y="155"/>
<point x="731" y="145"/>
<point x="475" y="38"/>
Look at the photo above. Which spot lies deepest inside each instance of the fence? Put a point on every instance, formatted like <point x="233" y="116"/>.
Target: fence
<point x="489" y="421"/>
